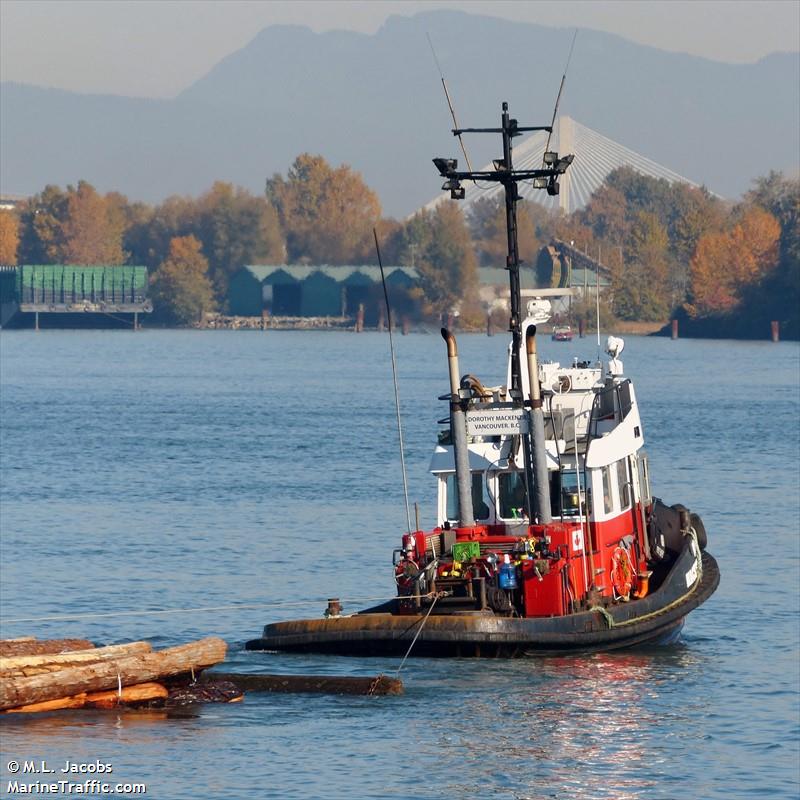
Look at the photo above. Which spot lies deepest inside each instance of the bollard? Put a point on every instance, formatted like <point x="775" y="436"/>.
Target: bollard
<point x="489" y="331"/>
<point x="776" y="330"/>
<point x="674" y="329"/>
<point x="581" y="329"/>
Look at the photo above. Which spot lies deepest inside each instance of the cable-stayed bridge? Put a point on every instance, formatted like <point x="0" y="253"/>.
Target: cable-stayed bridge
<point x="595" y="157"/>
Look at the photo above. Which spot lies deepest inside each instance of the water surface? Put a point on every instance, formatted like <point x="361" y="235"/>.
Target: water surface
<point x="184" y="470"/>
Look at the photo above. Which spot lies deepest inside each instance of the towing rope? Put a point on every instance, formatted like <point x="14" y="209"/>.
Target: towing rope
<point x="419" y="630"/>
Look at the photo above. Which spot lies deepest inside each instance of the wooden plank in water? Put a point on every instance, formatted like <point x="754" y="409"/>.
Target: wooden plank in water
<point x="318" y="684"/>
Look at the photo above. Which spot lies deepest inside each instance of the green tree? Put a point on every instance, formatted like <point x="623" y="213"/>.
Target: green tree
<point x="447" y="265"/>
<point x="641" y="286"/>
<point x="180" y="288"/>
<point x="327" y="214"/>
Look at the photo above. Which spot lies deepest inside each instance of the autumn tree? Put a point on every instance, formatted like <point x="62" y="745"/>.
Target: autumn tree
<point x="234" y="227"/>
<point x="487" y="222"/>
<point x="778" y="293"/>
<point x="180" y="288"/>
<point x="726" y="263"/>
<point x="9" y="237"/>
<point x="149" y="236"/>
<point x="42" y="219"/>
<point x="327" y="214"/>
<point x="237" y="228"/>
<point x="607" y="215"/>
<point x="92" y="229"/>
<point x="76" y="226"/>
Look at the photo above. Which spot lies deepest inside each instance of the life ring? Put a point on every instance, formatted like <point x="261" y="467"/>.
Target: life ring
<point x="405" y="573"/>
<point x="621" y="574"/>
<point x="562" y="384"/>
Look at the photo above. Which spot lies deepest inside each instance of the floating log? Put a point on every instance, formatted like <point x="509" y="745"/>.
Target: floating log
<point x="30" y="647"/>
<point x="209" y="691"/>
<point x="139" y="693"/>
<point x="76" y="701"/>
<point x="23" y="666"/>
<point x="102" y="675"/>
<point x="325" y="684"/>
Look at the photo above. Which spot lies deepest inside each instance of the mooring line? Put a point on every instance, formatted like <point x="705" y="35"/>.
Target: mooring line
<point x="419" y="631"/>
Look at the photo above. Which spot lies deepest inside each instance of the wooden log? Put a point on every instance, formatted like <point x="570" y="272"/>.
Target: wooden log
<point x="322" y="684"/>
<point x="51" y="662"/>
<point x="76" y="701"/>
<point x="102" y="675"/>
<point x="139" y="693"/>
<point x="40" y="647"/>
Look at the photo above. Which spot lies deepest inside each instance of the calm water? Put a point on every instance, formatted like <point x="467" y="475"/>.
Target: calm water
<point x="179" y="470"/>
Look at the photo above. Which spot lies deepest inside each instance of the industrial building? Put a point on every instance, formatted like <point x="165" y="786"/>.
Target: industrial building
<point x="319" y="291"/>
<point x="66" y="295"/>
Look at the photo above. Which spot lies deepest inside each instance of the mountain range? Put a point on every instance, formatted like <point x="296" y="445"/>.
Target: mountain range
<point x="376" y="102"/>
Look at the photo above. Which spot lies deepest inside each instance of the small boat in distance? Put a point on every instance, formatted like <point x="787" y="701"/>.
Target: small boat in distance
<point x="562" y="333"/>
<point x="549" y="538"/>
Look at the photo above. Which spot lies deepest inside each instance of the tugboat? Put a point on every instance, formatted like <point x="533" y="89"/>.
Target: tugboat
<point x="548" y="539"/>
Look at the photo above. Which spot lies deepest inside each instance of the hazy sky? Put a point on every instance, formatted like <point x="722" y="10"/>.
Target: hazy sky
<point x="156" y="48"/>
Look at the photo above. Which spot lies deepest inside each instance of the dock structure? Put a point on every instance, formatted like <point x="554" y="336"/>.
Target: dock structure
<point x="65" y="295"/>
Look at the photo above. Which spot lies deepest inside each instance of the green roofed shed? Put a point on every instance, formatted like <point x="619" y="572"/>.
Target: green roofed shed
<point x="310" y="290"/>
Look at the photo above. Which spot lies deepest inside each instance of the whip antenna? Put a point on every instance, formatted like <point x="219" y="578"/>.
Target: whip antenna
<point x="560" y="90"/>
<point x="449" y="104"/>
<point x="394" y="380"/>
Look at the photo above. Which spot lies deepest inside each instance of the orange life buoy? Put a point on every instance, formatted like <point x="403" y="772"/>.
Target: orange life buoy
<point x="621" y="573"/>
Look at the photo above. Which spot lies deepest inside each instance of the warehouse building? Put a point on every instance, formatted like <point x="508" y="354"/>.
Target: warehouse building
<point x="319" y="291"/>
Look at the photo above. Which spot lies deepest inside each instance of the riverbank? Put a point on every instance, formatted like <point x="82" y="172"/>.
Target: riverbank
<point x="223" y="322"/>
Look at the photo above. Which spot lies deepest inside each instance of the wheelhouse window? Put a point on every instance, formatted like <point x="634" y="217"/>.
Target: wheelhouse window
<point x="644" y="480"/>
<point x="480" y="508"/>
<point x="608" y="500"/>
<point x="511" y="492"/>
<point x="623" y="482"/>
<point x="564" y="494"/>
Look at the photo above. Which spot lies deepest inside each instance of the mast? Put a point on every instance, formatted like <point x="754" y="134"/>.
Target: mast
<point x="505" y="174"/>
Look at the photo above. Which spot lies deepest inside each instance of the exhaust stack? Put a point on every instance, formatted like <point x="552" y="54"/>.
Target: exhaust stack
<point x="541" y="499"/>
<point x="458" y="432"/>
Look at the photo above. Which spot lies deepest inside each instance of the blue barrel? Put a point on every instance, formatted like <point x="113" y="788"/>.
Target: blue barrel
<point x="507" y="576"/>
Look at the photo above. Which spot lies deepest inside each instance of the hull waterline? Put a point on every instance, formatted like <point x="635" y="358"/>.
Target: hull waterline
<point x="655" y="619"/>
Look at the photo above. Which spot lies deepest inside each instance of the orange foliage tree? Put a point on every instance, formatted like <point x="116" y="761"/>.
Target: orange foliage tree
<point x="93" y="228"/>
<point x="9" y="237"/>
<point x="725" y="263"/>
<point x="181" y="289"/>
<point x="327" y="214"/>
